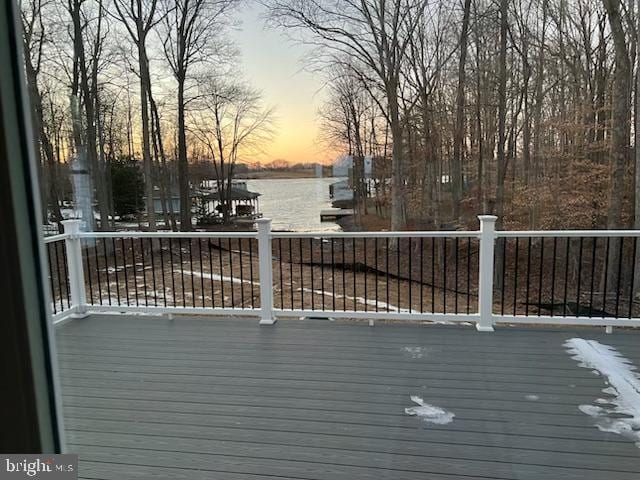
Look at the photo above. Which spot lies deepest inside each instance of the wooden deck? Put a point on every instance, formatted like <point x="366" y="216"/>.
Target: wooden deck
<point x="229" y="400"/>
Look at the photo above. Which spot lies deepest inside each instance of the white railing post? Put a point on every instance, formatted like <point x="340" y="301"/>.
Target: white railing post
<point x="74" y="260"/>
<point x="485" y="278"/>
<point x="266" y="274"/>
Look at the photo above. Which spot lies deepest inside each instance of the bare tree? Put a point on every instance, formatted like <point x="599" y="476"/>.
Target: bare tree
<point x="34" y="39"/>
<point x="230" y="122"/>
<point x="375" y="35"/>
<point x="191" y="36"/>
<point x="139" y="17"/>
<point x="458" y="141"/>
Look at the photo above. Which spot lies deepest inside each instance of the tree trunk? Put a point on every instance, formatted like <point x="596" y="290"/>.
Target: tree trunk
<point x="620" y="128"/>
<point x="183" y="166"/>
<point x="397" y="184"/>
<point x="144" y="111"/>
<point x="502" y="111"/>
<point x="458" y="141"/>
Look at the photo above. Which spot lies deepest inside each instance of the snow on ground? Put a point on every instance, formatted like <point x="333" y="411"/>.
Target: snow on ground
<point x="429" y="413"/>
<point x="382" y="306"/>
<point x="219" y="278"/>
<point x="620" y="412"/>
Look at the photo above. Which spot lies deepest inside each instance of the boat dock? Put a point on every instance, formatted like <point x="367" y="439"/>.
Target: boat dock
<point x="335" y="213"/>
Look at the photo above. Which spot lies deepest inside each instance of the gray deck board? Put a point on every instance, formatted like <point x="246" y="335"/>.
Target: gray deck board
<point x="199" y="398"/>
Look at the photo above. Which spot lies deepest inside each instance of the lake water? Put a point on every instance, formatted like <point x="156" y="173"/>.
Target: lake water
<point x="295" y="203"/>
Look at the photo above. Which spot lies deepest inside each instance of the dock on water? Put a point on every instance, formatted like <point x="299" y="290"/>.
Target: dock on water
<point x="335" y="213"/>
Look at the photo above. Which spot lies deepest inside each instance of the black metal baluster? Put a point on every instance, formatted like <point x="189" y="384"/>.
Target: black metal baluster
<point x="606" y="276"/>
<point x="433" y="274"/>
<point x="213" y="298"/>
<point x="201" y="273"/>
<point x="60" y="277"/>
<point x="375" y="245"/>
<point x="566" y="275"/>
<point x="232" y="286"/>
<point x="144" y="273"/>
<point x="95" y="248"/>
<point x="115" y="267"/>
<point x="540" y="279"/>
<point x="633" y="275"/>
<point x="387" y="270"/>
<point x="444" y="274"/>
<point x="579" y="276"/>
<point x="242" y="273"/>
<point x="313" y="294"/>
<point x="504" y="274"/>
<point x="106" y="267"/>
<point x="66" y="276"/>
<point x="410" y="242"/>
<point x="153" y="274"/>
<point x="322" y="271"/>
<point x="455" y="285"/>
<point x="85" y="249"/>
<point x="251" y="273"/>
<point x="135" y="273"/>
<point x="281" y="274"/>
<point x="421" y="274"/>
<point x="366" y="298"/>
<point x="184" y="302"/>
<point x="126" y="279"/>
<point x="291" y="272"/>
<point x="355" y="278"/>
<point x="515" y="278"/>
<point x="593" y="274"/>
<point x="333" y="279"/>
<point x="173" y="276"/>
<point x="302" y="274"/>
<point x="221" y="271"/>
<point x="344" y="278"/>
<point x="526" y="305"/>
<point x="51" y="282"/>
<point x="398" y="240"/>
<point x="469" y="276"/>
<point x="164" y="282"/>
<point x="621" y="250"/>
<point x="553" y="276"/>
<point x="191" y="273"/>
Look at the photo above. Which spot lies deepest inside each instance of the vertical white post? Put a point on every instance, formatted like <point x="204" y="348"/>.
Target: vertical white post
<point x="266" y="274"/>
<point x="74" y="260"/>
<point x="485" y="279"/>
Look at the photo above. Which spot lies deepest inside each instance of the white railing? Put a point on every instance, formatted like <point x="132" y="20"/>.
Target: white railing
<point x="363" y="272"/>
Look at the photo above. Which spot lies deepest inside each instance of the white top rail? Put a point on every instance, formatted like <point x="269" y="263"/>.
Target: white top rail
<point x="405" y="234"/>
<point x="132" y="234"/>
<point x="56" y="238"/>
<point x="409" y="234"/>
<point x="567" y="233"/>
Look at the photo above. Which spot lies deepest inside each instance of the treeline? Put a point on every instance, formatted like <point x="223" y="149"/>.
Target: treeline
<point x="151" y="80"/>
<point x="522" y="108"/>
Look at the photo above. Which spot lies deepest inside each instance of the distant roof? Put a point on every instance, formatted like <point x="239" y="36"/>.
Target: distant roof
<point x="235" y="194"/>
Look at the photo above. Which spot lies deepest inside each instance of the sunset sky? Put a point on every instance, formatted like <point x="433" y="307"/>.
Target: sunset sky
<point x="275" y="65"/>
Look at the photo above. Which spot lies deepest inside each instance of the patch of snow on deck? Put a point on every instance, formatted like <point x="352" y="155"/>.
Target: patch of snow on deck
<point x="621" y="413"/>
<point x="429" y="413"/>
<point x="532" y="398"/>
<point x="416" y="352"/>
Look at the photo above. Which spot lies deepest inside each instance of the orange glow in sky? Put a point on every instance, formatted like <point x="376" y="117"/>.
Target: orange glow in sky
<point x="274" y="65"/>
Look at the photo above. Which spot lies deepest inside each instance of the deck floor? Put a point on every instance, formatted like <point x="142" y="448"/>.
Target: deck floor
<point x="196" y="398"/>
